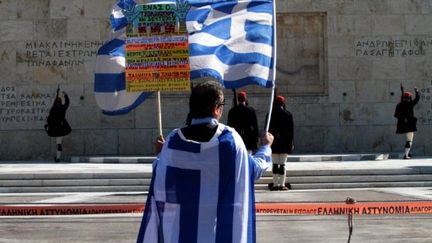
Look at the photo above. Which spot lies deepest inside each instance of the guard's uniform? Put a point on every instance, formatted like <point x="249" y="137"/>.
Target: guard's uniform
<point x="243" y="118"/>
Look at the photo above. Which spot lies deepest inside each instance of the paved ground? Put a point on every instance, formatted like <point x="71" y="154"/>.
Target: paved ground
<point x="270" y="229"/>
<point x="303" y="196"/>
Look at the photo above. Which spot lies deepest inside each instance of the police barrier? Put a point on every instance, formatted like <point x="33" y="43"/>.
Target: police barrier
<point x="360" y="208"/>
<point x="365" y="208"/>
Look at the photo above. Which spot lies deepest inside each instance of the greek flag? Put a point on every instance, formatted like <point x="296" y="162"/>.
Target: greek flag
<point x="203" y="192"/>
<point x="232" y="41"/>
<point x="163" y="1"/>
<point x="110" y="80"/>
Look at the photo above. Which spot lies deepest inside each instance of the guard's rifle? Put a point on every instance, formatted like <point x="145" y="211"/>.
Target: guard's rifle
<point x="235" y="102"/>
<point x="58" y="90"/>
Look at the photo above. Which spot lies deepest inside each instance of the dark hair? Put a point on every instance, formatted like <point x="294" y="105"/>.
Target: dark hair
<point x="241" y="99"/>
<point x="57" y="101"/>
<point x="241" y="96"/>
<point x="204" y="97"/>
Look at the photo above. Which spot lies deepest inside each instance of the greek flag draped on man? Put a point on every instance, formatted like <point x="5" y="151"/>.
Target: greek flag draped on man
<point x="192" y="200"/>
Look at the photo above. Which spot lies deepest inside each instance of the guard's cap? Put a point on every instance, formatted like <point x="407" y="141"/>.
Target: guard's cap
<point x="242" y="95"/>
<point x="280" y="100"/>
<point x="407" y="94"/>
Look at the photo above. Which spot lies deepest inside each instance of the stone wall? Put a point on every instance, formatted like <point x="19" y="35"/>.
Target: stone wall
<point x="340" y="64"/>
<point x="371" y="47"/>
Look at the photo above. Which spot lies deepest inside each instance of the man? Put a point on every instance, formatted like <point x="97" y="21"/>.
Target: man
<point x="57" y="125"/>
<point x="243" y="118"/>
<point x="202" y="190"/>
<point x="406" y="121"/>
<point x="282" y="126"/>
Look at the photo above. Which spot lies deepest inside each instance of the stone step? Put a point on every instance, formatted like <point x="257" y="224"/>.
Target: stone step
<point x="356" y="172"/>
<point x="348" y="179"/>
<point x="259" y="186"/>
<point x="74" y="182"/>
<point x="73" y="175"/>
<point x="268" y="173"/>
<point x="340" y="157"/>
<point x="266" y="179"/>
<point x="114" y="177"/>
<point x="320" y="186"/>
<point x="340" y="182"/>
<point x="291" y="158"/>
<point x="37" y="189"/>
<point x="361" y="185"/>
<point x="306" y="182"/>
<point x="358" y="178"/>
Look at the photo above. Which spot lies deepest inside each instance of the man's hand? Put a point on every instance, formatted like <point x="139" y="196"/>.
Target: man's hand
<point x="266" y="139"/>
<point x="158" y="144"/>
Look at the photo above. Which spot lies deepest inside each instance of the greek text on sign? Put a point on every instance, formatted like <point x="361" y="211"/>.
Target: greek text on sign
<point x="157" y="50"/>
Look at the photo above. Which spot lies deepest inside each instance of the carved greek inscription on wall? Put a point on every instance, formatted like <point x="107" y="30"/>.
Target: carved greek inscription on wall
<point x="59" y="53"/>
<point x="392" y="47"/>
<point x="425" y="115"/>
<point x="23" y="107"/>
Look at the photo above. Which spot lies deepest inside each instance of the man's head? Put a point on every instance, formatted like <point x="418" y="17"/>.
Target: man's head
<point x="57" y="101"/>
<point x="207" y="100"/>
<point x="280" y="100"/>
<point x="242" y="96"/>
<point x="407" y="96"/>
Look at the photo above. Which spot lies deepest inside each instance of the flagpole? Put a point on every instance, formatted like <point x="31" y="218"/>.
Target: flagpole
<point x="274" y="66"/>
<point x="159" y="110"/>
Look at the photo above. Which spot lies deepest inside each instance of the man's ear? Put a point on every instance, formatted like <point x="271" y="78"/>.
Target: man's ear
<point x="215" y="110"/>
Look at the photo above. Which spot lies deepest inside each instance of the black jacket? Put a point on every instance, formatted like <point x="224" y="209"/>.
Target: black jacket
<point x="282" y="128"/>
<point x="244" y="120"/>
<point x="57" y="126"/>
<point x="404" y="112"/>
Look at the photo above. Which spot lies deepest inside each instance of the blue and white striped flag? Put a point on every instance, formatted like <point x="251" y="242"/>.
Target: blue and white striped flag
<point x="110" y="82"/>
<point x="203" y="192"/>
<point x="163" y="1"/>
<point x="232" y="41"/>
